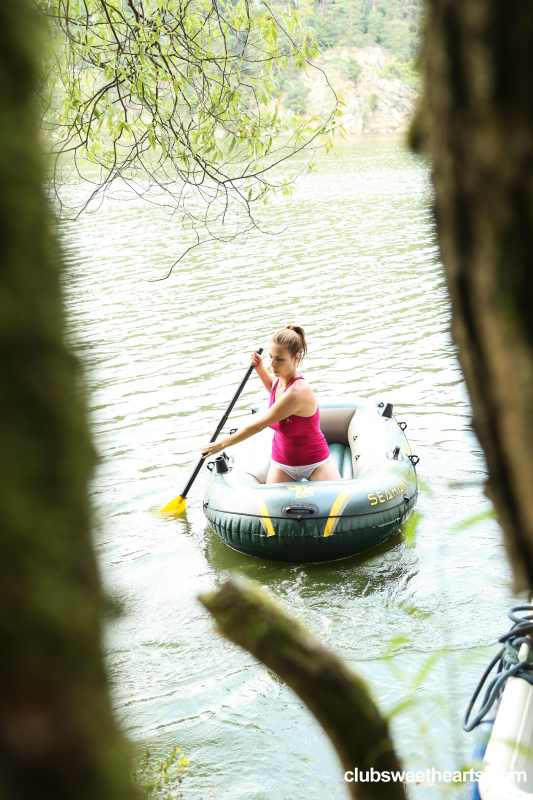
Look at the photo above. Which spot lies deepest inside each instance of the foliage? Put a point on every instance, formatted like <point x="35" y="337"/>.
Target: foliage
<point x="410" y="528"/>
<point x="178" y="100"/>
<point x="406" y="72"/>
<point x="373" y="102"/>
<point x="489" y="513"/>
<point x="160" y="780"/>
<point x="353" y="69"/>
<point x="394" y="24"/>
<point x="295" y="90"/>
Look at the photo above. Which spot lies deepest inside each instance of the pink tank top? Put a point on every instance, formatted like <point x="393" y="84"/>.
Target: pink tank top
<point x="298" y="441"/>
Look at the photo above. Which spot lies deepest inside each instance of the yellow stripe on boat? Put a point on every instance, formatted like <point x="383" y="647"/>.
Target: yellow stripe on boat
<point x="265" y="518"/>
<point x="336" y="509"/>
<point x="266" y="522"/>
<point x="338" y="518"/>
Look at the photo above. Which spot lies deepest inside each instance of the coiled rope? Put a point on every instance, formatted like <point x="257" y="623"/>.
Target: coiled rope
<point x="510" y="664"/>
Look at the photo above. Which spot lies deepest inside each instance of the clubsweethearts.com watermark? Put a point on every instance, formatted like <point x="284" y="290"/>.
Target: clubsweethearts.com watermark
<point x="428" y="776"/>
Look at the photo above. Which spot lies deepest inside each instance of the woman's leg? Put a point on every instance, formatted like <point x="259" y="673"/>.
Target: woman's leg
<point x="276" y="475"/>
<point x="325" y="472"/>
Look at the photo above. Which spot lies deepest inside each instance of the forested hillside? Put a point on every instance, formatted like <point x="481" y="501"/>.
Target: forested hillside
<point x="368" y="51"/>
<point x="393" y="24"/>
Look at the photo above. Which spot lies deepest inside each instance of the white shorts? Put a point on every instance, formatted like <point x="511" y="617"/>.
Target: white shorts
<point x="299" y="473"/>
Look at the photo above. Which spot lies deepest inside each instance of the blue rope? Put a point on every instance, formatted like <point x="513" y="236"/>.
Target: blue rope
<point x="508" y="665"/>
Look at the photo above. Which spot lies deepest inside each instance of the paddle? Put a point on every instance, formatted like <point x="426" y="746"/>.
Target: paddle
<point x="177" y="506"/>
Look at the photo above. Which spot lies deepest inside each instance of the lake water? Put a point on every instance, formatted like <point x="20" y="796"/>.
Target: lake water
<point x="357" y="265"/>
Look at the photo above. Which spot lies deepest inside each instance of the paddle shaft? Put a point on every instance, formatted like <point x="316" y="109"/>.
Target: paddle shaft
<point x="220" y="425"/>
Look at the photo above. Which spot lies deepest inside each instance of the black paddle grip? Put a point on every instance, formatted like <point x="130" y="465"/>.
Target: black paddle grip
<point x="220" y="425"/>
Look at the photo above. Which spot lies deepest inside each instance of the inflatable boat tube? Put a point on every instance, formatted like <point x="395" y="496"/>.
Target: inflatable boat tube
<point x="504" y="722"/>
<point x="319" y="520"/>
<point x="507" y="772"/>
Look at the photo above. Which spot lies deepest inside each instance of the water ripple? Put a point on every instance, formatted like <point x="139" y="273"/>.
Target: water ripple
<point x="357" y="266"/>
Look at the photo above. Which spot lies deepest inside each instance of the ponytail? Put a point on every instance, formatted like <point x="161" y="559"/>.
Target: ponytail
<point x="292" y="338"/>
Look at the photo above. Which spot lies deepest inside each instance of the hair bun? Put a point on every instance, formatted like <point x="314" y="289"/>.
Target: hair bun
<point x="297" y="329"/>
<point x="292" y="337"/>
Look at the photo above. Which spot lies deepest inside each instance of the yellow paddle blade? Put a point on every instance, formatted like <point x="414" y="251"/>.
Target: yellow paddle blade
<point x="176" y="506"/>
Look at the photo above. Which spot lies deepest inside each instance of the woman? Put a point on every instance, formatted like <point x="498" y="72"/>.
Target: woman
<point x="299" y="449"/>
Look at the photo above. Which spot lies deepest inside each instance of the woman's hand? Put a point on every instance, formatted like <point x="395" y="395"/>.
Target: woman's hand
<point x="211" y="449"/>
<point x="256" y="360"/>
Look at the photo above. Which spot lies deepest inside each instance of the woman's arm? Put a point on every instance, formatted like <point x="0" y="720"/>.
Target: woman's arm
<point x="287" y="404"/>
<point x="266" y="379"/>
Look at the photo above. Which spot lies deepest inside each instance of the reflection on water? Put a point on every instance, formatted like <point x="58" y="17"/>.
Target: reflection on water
<point x="384" y="569"/>
<point x="357" y="266"/>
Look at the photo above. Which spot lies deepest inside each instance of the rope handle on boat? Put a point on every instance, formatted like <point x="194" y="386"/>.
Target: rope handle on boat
<point x="210" y="466"/>
<point x="510" y="664"/>
<point x="414" y="460"/>
<point x="402" y="425"/>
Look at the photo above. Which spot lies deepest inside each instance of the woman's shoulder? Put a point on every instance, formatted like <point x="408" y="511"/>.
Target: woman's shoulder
<point x="301" y="387"/>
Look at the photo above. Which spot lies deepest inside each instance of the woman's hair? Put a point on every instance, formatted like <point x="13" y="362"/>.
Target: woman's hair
<point x="292" y="338"/>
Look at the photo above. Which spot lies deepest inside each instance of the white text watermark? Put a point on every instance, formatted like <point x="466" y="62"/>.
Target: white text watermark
<point x="431" y="775"/>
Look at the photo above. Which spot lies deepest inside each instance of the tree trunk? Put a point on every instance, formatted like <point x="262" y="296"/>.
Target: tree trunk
<point x="333" y="693"/>
<point x="58" y="740"/>
<point x="476" y="123"/>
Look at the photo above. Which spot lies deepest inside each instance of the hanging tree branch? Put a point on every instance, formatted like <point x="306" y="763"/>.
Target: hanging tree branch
<point x="177" y="101"/>
<point x="333" y="693"/>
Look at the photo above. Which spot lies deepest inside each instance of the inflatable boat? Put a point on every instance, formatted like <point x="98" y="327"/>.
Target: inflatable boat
<point x="503" y="753"/>
<point x="318" y="520"/>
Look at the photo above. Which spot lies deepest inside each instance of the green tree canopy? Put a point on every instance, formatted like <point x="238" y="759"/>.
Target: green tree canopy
<point x="179" y="101"/>
<point x="394" y="24"/>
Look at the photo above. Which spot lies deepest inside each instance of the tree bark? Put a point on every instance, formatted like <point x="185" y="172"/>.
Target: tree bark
<point x="58" y="739"/>
<point x="475" y="121"/>
<point x="333" y="693"/>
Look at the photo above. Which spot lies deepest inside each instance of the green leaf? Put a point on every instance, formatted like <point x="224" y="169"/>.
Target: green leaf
<point x="410" y="528"/>
<point x="489" y="513"/>
<point x="424" y="670"/>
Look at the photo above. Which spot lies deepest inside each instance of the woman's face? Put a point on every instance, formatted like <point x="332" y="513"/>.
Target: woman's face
<point x="281" y="361"/>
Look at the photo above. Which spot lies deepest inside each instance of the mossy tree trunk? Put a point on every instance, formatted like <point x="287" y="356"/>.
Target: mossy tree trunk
<point x="58" y="739"/>
<point x="476" y="123"/>
<point x="337" y="697"/>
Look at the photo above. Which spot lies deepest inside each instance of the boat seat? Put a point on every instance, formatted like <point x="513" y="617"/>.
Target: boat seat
<point x="334" y="424"/>
<point x="253" y="455"/>
<point x="342" y="458"/>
